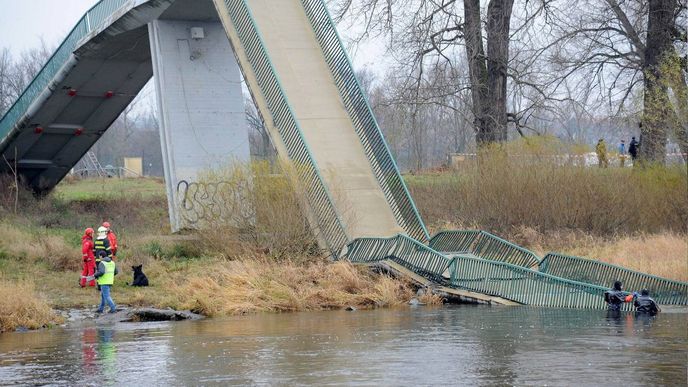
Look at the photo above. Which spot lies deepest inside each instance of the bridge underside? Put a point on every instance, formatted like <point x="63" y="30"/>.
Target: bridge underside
<point x="99" y="86"/>
<point x="102" y="74"/>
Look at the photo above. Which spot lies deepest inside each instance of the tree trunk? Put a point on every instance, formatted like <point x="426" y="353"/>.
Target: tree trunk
<point x="488" y="73"/>
<point x="477" y="67"/>
<point x="680" y="88"/>
<point x="657" y="106"/>
<point x="498" y="19"/>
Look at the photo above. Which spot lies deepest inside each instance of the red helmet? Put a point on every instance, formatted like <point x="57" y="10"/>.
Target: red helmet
<point x="88" y="231"/>
<point x="106" y="224"/>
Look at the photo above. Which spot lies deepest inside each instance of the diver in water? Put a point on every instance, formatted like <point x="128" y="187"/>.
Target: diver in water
<point x="644" y="304"/>
<point x="616" y="296"/>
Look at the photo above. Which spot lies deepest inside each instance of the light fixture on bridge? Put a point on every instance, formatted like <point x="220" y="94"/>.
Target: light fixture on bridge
<point x="197" y="33"/>
<point x="78" y="132"/>
<point x="109" y="94"/>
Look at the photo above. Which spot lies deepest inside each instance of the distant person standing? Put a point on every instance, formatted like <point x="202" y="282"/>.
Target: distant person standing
<point x="633" y="149"/>
<point x="622" y="153"/>
<point x="601" y="150"/>
<point x="112" y="238"/>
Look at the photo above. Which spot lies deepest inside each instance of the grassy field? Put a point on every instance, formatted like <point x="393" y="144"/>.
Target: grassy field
<point x="97" y="189"/>
<point x="634" y="218"/>
<point x="211" y="273"/>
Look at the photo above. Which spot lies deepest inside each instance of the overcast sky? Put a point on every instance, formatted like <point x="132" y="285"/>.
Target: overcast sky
<point x="24" y="22"/>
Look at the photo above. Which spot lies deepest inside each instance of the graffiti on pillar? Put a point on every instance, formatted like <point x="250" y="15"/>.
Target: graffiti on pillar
<point x="225" y="201"/>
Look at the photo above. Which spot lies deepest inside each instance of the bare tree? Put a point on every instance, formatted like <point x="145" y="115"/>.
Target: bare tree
<point x="426" y="34"/>
<point x="633" y="50"/>
<point x="6" y="96"/>
<point x="259" y="138"/>
<point x="17" y="73"/>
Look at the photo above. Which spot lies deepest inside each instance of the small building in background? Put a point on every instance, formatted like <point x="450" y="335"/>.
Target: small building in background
<point x="133" y="167"/>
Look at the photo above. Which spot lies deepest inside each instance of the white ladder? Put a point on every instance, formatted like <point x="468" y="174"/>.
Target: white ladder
<point x="92" y="163"/>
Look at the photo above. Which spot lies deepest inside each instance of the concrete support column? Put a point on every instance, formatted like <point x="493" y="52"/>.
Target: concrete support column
<point x="201" y="106"/>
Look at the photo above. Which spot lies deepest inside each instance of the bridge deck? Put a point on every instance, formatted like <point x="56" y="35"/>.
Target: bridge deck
<point x="309" y="87"/>
<point x="464" y="295"/>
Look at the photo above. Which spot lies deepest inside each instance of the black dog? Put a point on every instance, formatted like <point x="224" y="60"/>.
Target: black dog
<point x="140" y="279"/>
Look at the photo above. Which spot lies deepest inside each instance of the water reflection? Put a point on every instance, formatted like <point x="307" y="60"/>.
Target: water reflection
<point x="464" y="345"/>
<point x="89" y="337"/>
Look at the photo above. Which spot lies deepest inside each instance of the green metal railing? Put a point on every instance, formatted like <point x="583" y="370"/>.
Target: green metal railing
<point x="663" y="290"/>
<point x="492" y="247"/>
<point x="91" y="21"/>
<point x="319" y="199"/>
<point x="365" y="250"/>
<point x="484" y="245"/>
<point x="523" y="285"/>
<point x="367" y="129"/>
<point x="485" y="276"/>
<point x="457" y="241"/>
<point x="402" y="249"/>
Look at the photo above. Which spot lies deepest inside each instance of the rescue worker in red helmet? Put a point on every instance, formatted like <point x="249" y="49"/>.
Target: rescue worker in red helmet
<point x="88" y="259"/>
<point x="112" y="238"/>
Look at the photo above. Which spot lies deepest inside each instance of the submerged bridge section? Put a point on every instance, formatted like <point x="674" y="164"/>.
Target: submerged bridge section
<point x="303" y="84"/>
<point x="483" y="263"/>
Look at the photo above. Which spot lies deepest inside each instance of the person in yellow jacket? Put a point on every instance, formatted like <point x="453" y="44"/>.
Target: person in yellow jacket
<point x="105" y="275"/>
<point x="601" y="150"/>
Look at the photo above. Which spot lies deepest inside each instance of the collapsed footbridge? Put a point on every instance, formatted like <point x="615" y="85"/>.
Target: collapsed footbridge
<point x="303" y="84"/>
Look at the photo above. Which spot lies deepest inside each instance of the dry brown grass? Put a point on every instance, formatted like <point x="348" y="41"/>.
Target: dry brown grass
<point x="247" y="286"/>
<point x="38" y="246"/>
<point x="270" y="262"/>
<point x="216" y="286"/>
<point x="257" y="210"/>
<point x="664" y="255"/>
<point x="21" y="306"/>
<point x="506" y="189"/>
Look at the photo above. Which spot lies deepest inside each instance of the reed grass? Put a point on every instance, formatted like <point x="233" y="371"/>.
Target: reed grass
<point x="22" y="306"/>
<point x="260" y="285"/>
<point x="522" y="185"/>
<point x="268" y="261"/>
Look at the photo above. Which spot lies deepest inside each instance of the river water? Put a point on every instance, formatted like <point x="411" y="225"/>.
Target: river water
<point x="451" y="345"/>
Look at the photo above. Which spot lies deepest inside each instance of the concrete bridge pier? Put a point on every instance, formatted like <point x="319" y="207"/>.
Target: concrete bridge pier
<point x="202" y="118"/>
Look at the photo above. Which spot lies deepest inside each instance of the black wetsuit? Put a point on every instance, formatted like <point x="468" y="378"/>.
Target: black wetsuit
<point x="645" y="304"/>
<point x="615" y="298"/>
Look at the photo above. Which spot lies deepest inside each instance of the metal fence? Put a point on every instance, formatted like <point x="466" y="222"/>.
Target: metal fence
<point x="523" y="285"/>
<point x="485" y="276"/>
<point x="319" y="199"/>
<point x="457" y="241"/>
<point x="367" y="129"/>
<point x="91" y="21"/>
<point x="404" y="250"/>
<point x="663" y="290"/>
<point x="484" y="245"/>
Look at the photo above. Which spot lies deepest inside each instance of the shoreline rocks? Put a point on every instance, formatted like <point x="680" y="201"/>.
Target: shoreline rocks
<point x="125" y="315"/>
